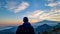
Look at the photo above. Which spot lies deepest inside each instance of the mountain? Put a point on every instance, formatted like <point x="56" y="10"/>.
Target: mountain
<point x="58" y="25"/>
<point x="43" y="28"/>
<point x="51" y="23"/>
<point x="9" y="31"/>
<point x="48" y="21"/>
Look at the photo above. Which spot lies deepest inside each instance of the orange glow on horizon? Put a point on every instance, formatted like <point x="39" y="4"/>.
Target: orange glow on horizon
<point x="20" y="22"/>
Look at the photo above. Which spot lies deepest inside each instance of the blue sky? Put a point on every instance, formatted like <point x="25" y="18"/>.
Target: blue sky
<point x="38" y="10"/>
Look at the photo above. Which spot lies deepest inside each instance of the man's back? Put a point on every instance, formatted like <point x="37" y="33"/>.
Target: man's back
<point x="26" y="28"/>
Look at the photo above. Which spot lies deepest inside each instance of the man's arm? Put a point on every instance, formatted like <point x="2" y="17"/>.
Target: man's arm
<point x="32" y="30"/>
<point x="18" y="30"/>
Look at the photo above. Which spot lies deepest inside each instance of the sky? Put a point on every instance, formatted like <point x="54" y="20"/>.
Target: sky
<point x="13" y="11"/>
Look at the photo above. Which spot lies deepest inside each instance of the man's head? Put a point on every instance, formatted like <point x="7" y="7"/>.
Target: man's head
<point x="25" y="19"/>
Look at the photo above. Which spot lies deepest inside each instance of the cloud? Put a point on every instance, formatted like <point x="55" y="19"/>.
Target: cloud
<point x="21" y="7"/>
<point x="54" y="17"/>
<point x="51" y="0"/>
<point x="16" y="6"/>
<point x="10" y="5"/>
<point x="41" y="15"/>
<point x="53" y="3"/>
<point x="36" y="13"/>
<point x="54" y="13"/>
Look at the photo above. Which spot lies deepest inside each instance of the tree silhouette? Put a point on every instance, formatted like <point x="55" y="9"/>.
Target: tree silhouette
<point x="45" y="32"/>
<point x="55" y="30"/>
<point x="38" y="32"/>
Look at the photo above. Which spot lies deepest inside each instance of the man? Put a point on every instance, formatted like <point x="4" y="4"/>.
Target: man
<point x="26" y="28"/>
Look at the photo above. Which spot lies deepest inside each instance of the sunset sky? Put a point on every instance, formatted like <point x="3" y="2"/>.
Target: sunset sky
<point x="13" y="11"/>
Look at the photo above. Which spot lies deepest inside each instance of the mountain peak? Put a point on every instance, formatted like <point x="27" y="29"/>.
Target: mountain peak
<point x="48" y="21"/>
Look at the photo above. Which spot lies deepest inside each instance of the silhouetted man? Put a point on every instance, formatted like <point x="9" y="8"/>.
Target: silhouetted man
<point x="26" y="28"/>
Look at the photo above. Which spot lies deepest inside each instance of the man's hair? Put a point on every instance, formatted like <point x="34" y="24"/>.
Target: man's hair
<point x="25" y="19"/>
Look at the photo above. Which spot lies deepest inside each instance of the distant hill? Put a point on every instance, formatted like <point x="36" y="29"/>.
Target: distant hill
<point x="43" y="28"/>
<point x="9" y="31"/>
<point x="45" y="25"/>
<point x="51" y="23"/>
<point x="48" y="21"/>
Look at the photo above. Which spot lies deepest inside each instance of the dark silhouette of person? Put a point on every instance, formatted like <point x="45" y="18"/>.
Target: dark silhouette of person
<point x="25" y="28"/>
